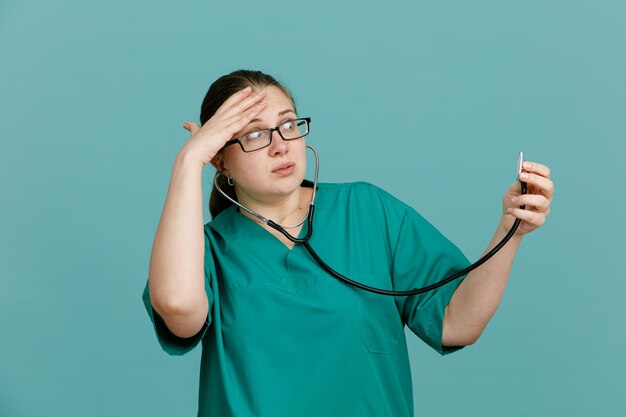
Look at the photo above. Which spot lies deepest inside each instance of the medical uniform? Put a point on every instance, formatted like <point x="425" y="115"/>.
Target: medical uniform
<point x="285" y="338"/>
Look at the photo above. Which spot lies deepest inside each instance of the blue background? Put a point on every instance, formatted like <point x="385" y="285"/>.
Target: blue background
<point x="431" y="100"/>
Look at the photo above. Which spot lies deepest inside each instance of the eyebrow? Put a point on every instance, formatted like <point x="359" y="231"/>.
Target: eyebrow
<point x="279" y="113"/>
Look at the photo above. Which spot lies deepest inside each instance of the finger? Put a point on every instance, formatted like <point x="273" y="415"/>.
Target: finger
<point x="527" y="215"/>
<point x="539" y="181"/>
<point x="235" y="98"/>
<point x="515" y="188"/>
<point x="244" y="104"/>
<point x="239" y="121"/>
<point x="537" y="168"/>
<point x="535" y="200"/>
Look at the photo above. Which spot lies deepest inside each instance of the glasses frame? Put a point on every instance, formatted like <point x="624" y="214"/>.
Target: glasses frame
<point x="271" y="130"/>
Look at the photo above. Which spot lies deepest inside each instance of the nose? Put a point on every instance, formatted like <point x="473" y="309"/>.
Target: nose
<point x="279" y="145"/>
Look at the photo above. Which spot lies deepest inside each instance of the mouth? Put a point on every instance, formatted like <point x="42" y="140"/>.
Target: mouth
<point x="285" y="168"/>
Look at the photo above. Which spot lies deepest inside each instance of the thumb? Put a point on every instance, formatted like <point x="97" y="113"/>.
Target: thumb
<point x="191" y="127"/>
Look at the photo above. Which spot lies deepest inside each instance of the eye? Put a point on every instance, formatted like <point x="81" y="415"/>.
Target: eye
<point x="288" y="125"/>
<point x="254" y="135"/>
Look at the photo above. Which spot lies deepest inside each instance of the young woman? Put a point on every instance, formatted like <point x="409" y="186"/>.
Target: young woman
<point x="280" y="335"/>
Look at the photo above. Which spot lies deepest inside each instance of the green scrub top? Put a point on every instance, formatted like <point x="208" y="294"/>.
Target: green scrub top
<point x="285" y="338"/>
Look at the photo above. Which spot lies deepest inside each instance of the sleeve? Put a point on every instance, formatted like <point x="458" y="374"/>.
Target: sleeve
<point x="423" y="256"/>
<point x="170" y="343"/>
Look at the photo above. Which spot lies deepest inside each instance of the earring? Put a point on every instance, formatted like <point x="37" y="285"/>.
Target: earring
<point x="231" y="181"/>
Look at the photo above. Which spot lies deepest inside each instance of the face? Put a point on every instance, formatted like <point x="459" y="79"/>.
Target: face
<point x="254" y="172"/>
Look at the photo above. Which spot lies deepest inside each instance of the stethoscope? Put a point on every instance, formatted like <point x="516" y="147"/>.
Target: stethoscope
<point x="305" y="240"/>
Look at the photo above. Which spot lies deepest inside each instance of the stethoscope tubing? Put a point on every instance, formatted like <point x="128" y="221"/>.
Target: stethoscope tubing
<point x="305" y="242"/>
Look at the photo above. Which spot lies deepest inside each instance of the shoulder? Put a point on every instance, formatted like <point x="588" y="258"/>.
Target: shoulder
<point x="221" y="221"/>
<point x="365" y="194"/>
<point x="361" y="188"/>
<point x="354" y="186"/>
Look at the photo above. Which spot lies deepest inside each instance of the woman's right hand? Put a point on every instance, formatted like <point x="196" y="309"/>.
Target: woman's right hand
<point x="233" y="115"/>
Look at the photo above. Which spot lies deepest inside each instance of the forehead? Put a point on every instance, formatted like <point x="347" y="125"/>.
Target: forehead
<point x="278" y="104"/>
<point x="277" y="101"/>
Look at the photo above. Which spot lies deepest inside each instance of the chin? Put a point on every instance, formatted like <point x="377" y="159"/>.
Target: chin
<point x="288" y="185"/>
<point x="291" y="185"/>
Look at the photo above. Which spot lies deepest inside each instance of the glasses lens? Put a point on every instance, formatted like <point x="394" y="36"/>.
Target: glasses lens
<point x="258" y="139"/>
<point x="255" y="140"/>
<point x="293" y="129"/>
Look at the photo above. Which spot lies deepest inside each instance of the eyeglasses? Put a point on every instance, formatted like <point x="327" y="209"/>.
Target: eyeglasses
<point x="262" y="138"/>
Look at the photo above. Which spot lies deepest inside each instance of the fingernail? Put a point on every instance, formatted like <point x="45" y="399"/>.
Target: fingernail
<point x="514" y="199"/>
<point x="509" y="209"/>
<point x="528" y="165"/>
<point x="523" y="176"/>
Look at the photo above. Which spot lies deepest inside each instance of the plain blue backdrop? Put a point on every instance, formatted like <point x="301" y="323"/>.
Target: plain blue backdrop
<point x="430" y="100"/>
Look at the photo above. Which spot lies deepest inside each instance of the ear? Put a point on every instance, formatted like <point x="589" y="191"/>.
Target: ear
<point x="218" y="161"/>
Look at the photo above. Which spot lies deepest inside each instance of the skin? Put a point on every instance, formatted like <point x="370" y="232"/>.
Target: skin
<point x="475" y="300"/>
<point x="176" y="273"/>
<point x="477" y="297"/>
<point x="280" y="198"/>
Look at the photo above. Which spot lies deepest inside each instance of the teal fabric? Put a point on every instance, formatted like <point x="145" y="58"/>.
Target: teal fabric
<point x="284" y="338"/>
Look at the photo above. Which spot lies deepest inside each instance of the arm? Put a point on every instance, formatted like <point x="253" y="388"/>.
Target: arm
<point x="475" y="300"/>
<point x="176" y="276"/>
<point x="477" y="297"/>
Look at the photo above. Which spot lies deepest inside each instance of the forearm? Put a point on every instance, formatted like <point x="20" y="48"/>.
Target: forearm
<point x="176" y="277"/>
<point x="476" y="299"/>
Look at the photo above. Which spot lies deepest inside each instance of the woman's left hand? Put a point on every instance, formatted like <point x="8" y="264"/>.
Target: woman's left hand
<point x="539" y="191"/>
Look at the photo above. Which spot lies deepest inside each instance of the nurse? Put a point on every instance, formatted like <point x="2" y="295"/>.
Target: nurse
<point x="280" y="336"/>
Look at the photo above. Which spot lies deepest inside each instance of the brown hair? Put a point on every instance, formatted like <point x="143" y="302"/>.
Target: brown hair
<point x="218" y="93"/>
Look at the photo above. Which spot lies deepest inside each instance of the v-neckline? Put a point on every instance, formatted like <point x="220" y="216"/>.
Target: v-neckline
<point x="302" y="231"/>
<point x="274" y="238"/>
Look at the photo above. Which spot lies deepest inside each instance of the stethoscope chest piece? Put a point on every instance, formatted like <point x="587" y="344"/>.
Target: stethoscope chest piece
<point x="520" y="162"/>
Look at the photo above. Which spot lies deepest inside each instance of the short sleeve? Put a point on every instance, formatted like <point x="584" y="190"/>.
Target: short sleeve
<point x="170" y="343"/>
<point x="423" y="256"/>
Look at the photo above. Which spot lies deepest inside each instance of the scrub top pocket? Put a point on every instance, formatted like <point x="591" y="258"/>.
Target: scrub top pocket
<point x="380" y="322"/>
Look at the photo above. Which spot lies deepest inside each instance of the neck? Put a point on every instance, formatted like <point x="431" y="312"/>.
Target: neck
<point x="287" y="210"/>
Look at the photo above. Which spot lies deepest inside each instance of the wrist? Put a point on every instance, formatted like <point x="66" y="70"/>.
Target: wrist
<point x="187" y="160"/>
<point x="503" y="230"/>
